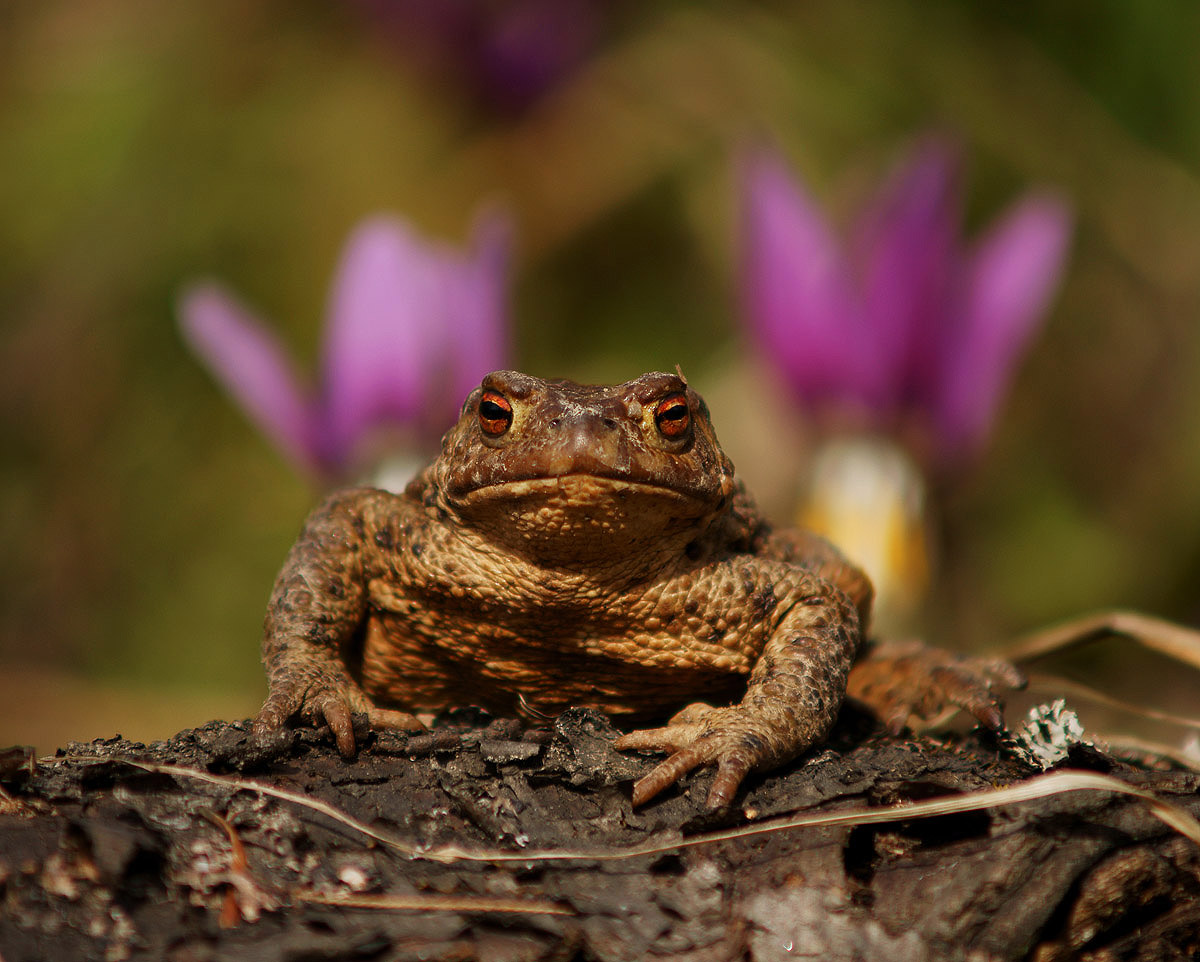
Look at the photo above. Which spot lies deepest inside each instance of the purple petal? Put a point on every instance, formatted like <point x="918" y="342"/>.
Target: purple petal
<point x="387" y="321"/>
<point x="797" y="286"/>
<point x="477" y="312"/>
<point x="254" y="368"/>
<point x="1010" y="279"/>
<point x="906" y="247"/>
<point x="531" y="45"/>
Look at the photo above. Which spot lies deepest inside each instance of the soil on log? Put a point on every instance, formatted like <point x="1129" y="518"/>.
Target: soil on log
<point x="103" y="860"/>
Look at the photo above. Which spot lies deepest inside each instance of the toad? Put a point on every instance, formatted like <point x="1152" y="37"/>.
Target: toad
<point x="584" y="545"/>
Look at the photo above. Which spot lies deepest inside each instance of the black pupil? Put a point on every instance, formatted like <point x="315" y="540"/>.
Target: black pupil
<point x="492" y="411"/>
<point x="673" y="412"/>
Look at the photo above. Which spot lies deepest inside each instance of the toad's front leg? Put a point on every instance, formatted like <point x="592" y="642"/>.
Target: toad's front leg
<point x="791" y="702"/>
<point x="316" y="610"/>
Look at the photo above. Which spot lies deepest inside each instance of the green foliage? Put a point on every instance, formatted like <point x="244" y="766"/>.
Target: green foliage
<point x="147" y="144"/>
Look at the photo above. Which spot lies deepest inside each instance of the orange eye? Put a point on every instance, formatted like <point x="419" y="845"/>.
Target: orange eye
<point x="495" y="414"/>
<point x="673" y="416"/>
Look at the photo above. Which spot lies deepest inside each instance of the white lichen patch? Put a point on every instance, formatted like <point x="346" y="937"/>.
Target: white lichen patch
<point x="1047" y="736"/>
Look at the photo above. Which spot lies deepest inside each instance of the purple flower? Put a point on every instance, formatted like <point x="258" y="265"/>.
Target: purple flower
<point x="412" y="328"/>
<point x="903" y="320"/>
<point x="509" y="54"/>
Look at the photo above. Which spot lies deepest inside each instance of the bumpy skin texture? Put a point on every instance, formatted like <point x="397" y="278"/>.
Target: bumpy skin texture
<point x="572" y="545"/>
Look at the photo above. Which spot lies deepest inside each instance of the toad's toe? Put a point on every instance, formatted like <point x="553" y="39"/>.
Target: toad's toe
<point x="726" y="737"/>
<point x="667" y="773"/>
<point x="388" y="719"/>
<point x="898" y="680"/>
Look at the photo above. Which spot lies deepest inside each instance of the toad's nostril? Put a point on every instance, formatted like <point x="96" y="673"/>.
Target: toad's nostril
<point x="610" y="423"/>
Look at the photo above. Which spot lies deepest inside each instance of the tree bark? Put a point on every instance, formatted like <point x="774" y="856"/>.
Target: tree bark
<point x="104" y="860"/>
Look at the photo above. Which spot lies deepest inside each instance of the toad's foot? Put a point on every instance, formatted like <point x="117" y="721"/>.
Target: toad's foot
<point x="325" y="694"/>
<point x="898" y="679"/>
<point x="734" y="738"/>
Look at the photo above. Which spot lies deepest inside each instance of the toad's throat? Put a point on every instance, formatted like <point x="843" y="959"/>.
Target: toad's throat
<point x="579" y="519"/>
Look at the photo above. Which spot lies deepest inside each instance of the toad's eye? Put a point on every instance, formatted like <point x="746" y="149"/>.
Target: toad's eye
<point x="673" y="416"/>
<point x="495" y="414"/>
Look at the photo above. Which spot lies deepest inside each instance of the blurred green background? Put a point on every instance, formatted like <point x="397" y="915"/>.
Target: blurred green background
<point x="145" y="145"/>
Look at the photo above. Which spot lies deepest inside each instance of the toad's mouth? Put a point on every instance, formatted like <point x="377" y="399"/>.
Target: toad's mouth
<point x="585" y="491"/>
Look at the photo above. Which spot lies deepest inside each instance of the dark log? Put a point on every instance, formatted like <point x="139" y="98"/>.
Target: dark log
<point x="103" y="860"/>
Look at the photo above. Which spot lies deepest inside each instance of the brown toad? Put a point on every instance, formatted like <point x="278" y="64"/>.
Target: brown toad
<point x="580" y="545"/>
